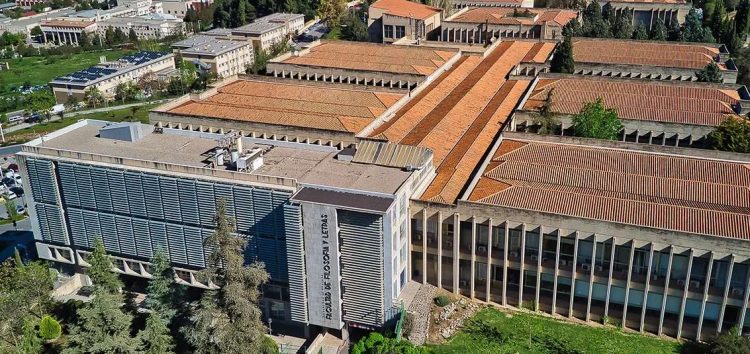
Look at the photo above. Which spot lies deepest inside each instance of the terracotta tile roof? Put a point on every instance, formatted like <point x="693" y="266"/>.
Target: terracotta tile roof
<point x="66" y="23"/>
<point x="644" y="189"/>
<point x="404" y="8"/>
<point x="297" y="105"/>
<point x="628" y="52"/>
<point x="504" y="16"/>
<point x="374" y="57"/>
<point x="459" y="115"/>
<point x="539" y="53"/>
<point x="639" y="100"/>
<point x="652" y="1"/>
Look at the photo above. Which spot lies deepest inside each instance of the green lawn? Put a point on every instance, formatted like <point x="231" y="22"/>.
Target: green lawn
<point x="41" y="70"/>
<point x="116" y="115"/>
<point x="492" y="331"/>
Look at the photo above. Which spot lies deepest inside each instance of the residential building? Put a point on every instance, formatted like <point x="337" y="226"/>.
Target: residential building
<point x="481" y="25"/>
<point x="269" y="30"/>
<point x="179" y="8"/>
<point x="391" y="20"/>
<point x="66" y="31"/>
<point x="363" y="63"/>
<point x="645" y="13"/>
<point x="652" y="112"/>
<point x="153" y="26"/>
<point x="107" y="75"/>
<point x="222" y="57"/>
<point x="650" y="59"/>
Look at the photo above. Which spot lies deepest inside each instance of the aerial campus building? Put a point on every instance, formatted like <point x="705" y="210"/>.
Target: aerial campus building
<point x="351" y="189"/>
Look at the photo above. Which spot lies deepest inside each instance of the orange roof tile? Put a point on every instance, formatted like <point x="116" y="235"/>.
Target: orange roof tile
<point x="459" y="115"/>
<point x="373" y="57"/>
<point x="504" y="16"/>
<point x="629" y="52"/>
<point x="299" y="105"/>
<point x="643" y="189"/>
<point x="638" y="100"/>
<point x="404" y="8"/>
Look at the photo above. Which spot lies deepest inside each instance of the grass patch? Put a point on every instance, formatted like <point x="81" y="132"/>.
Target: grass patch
<point x="115" y="115"/>
<point x="492" y="331"/>
<point x="41" y="70"/>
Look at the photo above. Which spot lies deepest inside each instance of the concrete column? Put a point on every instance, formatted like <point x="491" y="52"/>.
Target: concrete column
<point x="666" y="290"/>
<point x="648" y="285"/>
<point x="523" y="256"/>
<point x="505" y="263"/>
<point x="627" y="283"/>
<point x="591" y="280"/>
<point x="573" y="277"/>
<point x="557" y="272"/>
<point x="684" y="294"/>
<point x="609" y="278"/>
<point x="489" y="260"/>
<point x="741" y="323"/>
<point x="473" y="255"/>
<point x="456" y="245"/>
<point x="440" y="249"/>
<point x="424" y="246"/>
<point x="719" y="323"/>
<point x="705" y="295"/>
<point x="538" y="268"/>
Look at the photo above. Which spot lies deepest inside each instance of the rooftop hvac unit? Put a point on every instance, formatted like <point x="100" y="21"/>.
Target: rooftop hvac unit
<point x="250" y="162"/>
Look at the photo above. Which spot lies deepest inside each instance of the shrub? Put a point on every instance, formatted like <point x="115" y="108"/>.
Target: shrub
<point x="442" y="300"/>
<point x="408" y="325"/>
<point x="49" y="328"/>
<point x="270" y="346"/>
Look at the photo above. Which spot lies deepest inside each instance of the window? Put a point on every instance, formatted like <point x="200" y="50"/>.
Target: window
<point x="388" y="31"/>
<point x="400" y="31"/>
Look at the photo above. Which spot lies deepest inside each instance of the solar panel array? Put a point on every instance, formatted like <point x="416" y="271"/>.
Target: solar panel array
<point x="99" y="71"/>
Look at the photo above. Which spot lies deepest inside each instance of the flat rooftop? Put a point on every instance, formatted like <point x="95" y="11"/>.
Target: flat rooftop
<point x="693" y="195"/>
<point x="293" y="103"/>
<point x="373" y="57"/>
<point x="514" y="16"/>
<point x="649" y="53"/>
<point x="101" y="71"/>
<point x="459" y="115"/>
<point x="307" y="164"/>
<point x="658" y="101"/>
<point x="214" y="47"/>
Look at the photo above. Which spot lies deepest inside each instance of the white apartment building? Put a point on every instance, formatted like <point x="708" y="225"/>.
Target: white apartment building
<point x="107" y="75"/>
<point x="223" y="57"/>
<point x="268" y="30"/>
<point x="179" y="8"/>
<point x="151" y="26"/>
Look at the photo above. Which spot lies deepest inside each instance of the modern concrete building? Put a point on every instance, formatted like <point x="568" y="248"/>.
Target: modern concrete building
<point x="330" y="225"/>
<point x="391" y="20"/>
<point x="26" y="24"/>
<point x="652" y="112"/>
<point x="66" y="31"/>
<point x="645" y="13"/>
<point x="481" y="25"/>
<point x="289" y="110"/>
<point x="107" y="75"/>
<point x="269" y="30"/>
<point x="153" y="26"/>
<point x="649" y="59"/>
<point x="222" y="57"/>
<point x="364" y="63"/>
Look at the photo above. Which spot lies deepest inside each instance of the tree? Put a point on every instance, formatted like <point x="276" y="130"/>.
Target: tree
<point x="100" y="271"/>
<point x="132" y="36"/>
<point x="163" y="292"/>
<point x="376" y="343"/>
<point x="126" y="91"/>
<point x="594" y="24"/>
<point x="103" y="327"/>
<point x="4" y="118"/>
<point x="36" y="31"/>
<point x="692" y="29"/>
<point x="155" y="337"/>
<point x="562" y="59"/>
<point x="109" y="36"/>
<point x="30" y="342"/>
<point x="717" y="19"/>
<point x="24" y="299"/>
<point x="733" y="134"/>
<point x="741" y="18"/>
<point x="711" y="73"/>
<point x="608" y="13"/>
<point x="446" y="5"/>
<point x="546" y="121"/>
<point x="659" y="31"/>
<point x="93" y="97"/>
<point x="623" y="26"/>
<point x="40" y="102"/>
<point x="675" y="32"/>
<point x="120" y="36"/>
<point x="353" y="28"/>
<point x="49" y="328"/>
<point x="84" y="40"/>
<point x="330" y="11"/>
<point x="572" y="28"/>
<point x="730" y="342"/>
<point x="640" y="32"/>
<point x="596" y="121"/>
<point x="228" y="319"/>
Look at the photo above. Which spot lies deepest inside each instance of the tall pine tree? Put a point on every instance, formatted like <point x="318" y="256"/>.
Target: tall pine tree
<point x="741" y="18"/>
<point x="658" y="31"/>
<point x="100" y="272"/>
<point x="562" y="60"/>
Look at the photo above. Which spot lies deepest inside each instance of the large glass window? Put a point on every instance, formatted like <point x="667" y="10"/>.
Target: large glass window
<point x="400" y="32"/>
<point x="388" y="31"/>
